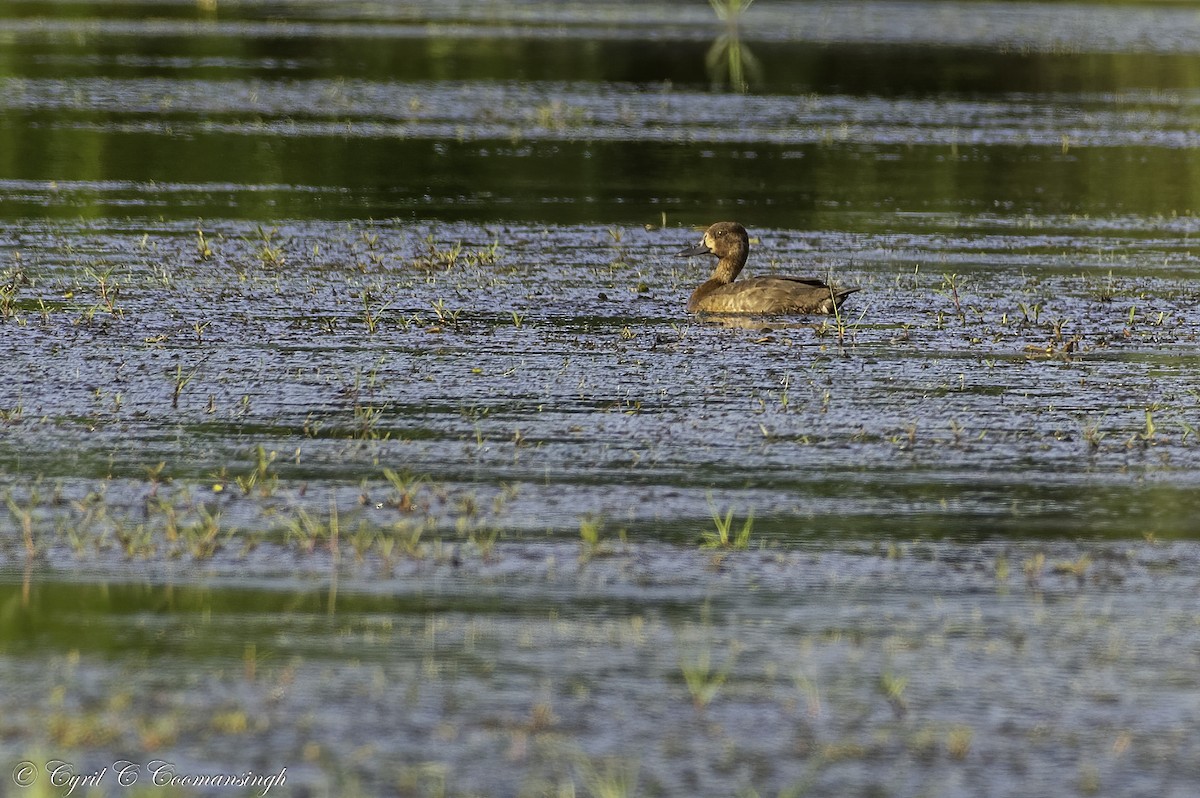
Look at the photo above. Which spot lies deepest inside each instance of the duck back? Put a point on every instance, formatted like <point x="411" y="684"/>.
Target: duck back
<point x="768" y="295"/>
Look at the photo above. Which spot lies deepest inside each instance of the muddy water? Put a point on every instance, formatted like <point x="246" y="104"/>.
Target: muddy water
<point x="352" y="423"/>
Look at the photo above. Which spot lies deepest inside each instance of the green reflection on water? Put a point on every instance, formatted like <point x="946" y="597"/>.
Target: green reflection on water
<point x="41" y="612"/>
<point x="75" y="173"/>
<point x="97" y="162"/>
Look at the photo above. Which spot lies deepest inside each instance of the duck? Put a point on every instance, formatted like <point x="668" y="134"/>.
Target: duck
<point x="771" y="295"/>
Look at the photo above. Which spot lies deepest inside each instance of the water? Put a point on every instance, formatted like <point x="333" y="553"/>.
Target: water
<point x="353" y="423"/>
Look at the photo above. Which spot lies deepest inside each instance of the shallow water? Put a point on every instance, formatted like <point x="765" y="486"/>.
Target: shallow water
<point x="353" y="423"/>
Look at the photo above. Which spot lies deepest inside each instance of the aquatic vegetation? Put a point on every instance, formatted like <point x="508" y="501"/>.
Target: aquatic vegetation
<point x="361" y="541"/>
<point x="262" y="476"/>
<point x="723" y="537"/>
<point x="203" y="250"/>
<point x="366" y="414"/>
<point x="892" y="686"/>
<point x="1030" y="314"/>
<point x="444" y="315"/>
<point x="703" y="677"/>
<point x="845" y="331"/>
<point x="589" y="532"/>
<point x="950" y="288"/>
<point x="135" y="540"/>
<point x="483" y="538"/>
<point x="179" y="381"/>
<point x="372" y="312"/>
<point x="728" y="58"/>
<point x="487" y="256"/>
<point x="407" y="486"/>
<point x="202" y="538"/>
<point x="407" y="535"/>
<point x="1076" y="568"/>
<point x="591" y="535"/>
<point x="24" y="517"/>
<point x="438" y="257"/>
<point x="1104" y="290"/>
<point x="1002" y="569"/>
<point x="107" y="290"/>
<point x="608" y="777"/>
<point x="1033" y="567"/>
<point x="558" y="115"/>
<point x="958" y="741"/>
<point x="312" y="531"/>
<point x="11" y="280"/>
<point x="1148" y="433"/>
<point x="269" y="250"/>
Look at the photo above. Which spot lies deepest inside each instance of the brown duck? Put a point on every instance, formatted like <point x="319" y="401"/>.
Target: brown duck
<point x="761" y="295"/>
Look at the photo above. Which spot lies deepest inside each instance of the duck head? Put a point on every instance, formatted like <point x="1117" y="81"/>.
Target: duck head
<point x="729" y="242"/>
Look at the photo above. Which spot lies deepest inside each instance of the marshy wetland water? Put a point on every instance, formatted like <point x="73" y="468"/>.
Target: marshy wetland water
<point x="352" y="424"/>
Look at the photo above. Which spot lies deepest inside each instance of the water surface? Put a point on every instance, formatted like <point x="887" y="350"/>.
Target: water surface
<point x="353" y="424"/>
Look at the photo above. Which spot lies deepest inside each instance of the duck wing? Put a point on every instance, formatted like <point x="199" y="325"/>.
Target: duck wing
<point x="810" y="281"/>
<point x="774" y="294"/>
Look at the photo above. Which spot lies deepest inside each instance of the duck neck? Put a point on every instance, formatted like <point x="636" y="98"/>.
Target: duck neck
<point x="728" y="267"/>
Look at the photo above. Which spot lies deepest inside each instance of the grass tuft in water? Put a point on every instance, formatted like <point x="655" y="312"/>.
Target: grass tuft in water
<point x="444" y="315"/>
<point x="180" y="381"/>
<point x="558" y="115"/>
<point x="11" y="281"/>
<point x="949" y="289"/>
<point x="107" y="289"/>
<point x="261" y="476"/>
<point x="958" y="741"/>
<point x="202" y="248"/>
<point x="406" y="487"/>
<point x="438" y="257"/>
<point x="703" y="678"/>
<point x="270" y="253"/>
<point x="24" y="516"/>
<point x="608" y="778"/>
<point x="721" y="537"/>
<point x="202" y="537"/>
<point x="1077" y="568"/>
<point x="310" y="531"/>
<point x="892" y="687"/>
<point x="591" y="534"/>
<point x="372" y="312"/>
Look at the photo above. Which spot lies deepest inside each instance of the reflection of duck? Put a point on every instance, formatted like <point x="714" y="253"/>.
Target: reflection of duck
<point x="761" y="295"/>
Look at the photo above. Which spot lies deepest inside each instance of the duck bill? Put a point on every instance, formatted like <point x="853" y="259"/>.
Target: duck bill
<point x="699" y="249"/>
